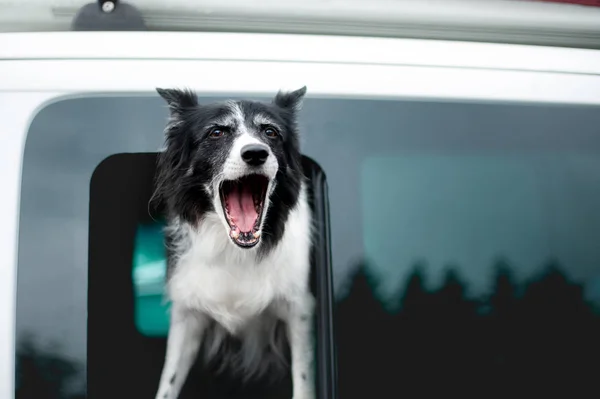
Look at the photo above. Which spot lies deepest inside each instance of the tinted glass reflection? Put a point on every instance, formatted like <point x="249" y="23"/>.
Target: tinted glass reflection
<point x="473" y="227"/>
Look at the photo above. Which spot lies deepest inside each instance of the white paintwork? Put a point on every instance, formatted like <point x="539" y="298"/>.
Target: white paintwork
<point x="17" y="110"/>
<point x="296" y="48"/>
<point x="28" y="84"/>
<point x="326" y="79"/>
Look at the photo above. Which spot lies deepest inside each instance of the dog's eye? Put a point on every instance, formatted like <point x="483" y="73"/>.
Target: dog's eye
<point x="271" y="132"/>
<point x="216" y="133"/>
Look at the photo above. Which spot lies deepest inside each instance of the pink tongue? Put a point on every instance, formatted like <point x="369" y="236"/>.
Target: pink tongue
<point x="241" y="208"/>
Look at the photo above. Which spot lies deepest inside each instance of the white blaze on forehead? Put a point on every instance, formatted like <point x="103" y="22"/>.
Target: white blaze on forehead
<point x="261" y="119"/>
<point x="234" y="118"/>
<point x="227" y="120"/>
<point x="237" y="114"/>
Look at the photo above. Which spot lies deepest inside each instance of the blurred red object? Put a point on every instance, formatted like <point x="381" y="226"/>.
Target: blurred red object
<point x="580" y="2"/>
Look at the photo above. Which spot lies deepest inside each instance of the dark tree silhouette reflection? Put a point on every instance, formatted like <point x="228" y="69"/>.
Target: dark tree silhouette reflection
<point x="531" y="339"/>
<point x="535" y="338"/>
<point x="43" y="373"/>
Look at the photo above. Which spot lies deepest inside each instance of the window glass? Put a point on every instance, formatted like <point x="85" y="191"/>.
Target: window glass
<point x="464" y="240"/>
<point x="149" y="274"/>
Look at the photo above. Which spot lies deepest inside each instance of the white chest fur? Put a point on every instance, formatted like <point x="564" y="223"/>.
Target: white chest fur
<point x="230" y="284"/>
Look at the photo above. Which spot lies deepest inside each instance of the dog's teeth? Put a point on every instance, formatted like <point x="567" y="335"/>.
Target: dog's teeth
<point x="256" y="234"/>
<point x="234" y="234"/>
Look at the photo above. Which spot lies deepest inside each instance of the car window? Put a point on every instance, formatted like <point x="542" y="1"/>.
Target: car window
<point x="464" y="240"/>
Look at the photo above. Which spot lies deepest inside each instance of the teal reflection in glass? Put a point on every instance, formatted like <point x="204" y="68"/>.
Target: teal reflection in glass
<point x="149" y="271"/>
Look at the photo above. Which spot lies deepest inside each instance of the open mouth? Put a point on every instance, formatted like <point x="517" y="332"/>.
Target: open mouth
<point x="243" y="202"/>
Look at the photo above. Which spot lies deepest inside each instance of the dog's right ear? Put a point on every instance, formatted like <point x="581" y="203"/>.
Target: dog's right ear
<point x="179" y="100"/>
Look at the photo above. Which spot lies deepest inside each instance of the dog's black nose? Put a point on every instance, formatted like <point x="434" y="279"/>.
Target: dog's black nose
<point x="255" y="154"/>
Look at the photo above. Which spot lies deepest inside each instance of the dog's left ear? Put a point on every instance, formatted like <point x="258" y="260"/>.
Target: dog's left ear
<point x="290" y="100"/>
<point x="179" y="100"/>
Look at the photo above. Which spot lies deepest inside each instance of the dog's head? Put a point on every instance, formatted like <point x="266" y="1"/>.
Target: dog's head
<point x="239" y="159"/>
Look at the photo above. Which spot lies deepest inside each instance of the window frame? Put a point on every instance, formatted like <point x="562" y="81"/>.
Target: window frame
<point x="42" y="68"/>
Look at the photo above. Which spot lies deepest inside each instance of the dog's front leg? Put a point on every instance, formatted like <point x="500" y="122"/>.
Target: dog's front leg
<point x="300" y="335"/>
<point x="185" y="335"/>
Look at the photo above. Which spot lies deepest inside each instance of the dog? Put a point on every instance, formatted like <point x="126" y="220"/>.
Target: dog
<point x="238" y="238"/>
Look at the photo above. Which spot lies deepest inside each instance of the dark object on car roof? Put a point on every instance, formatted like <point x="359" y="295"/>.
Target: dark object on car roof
<point x="108" y="15"/>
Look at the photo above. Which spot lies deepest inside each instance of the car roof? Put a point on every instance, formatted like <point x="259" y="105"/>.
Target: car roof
<point x="501" y="21"/>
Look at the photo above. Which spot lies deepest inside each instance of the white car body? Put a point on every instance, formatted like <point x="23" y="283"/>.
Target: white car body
<point x="41" y="68"/>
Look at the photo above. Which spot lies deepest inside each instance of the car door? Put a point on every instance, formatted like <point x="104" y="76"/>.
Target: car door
<point x="451" y="168"/>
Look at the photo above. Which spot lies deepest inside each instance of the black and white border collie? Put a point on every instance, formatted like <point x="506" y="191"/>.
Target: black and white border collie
<point x="239" y="237"/>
